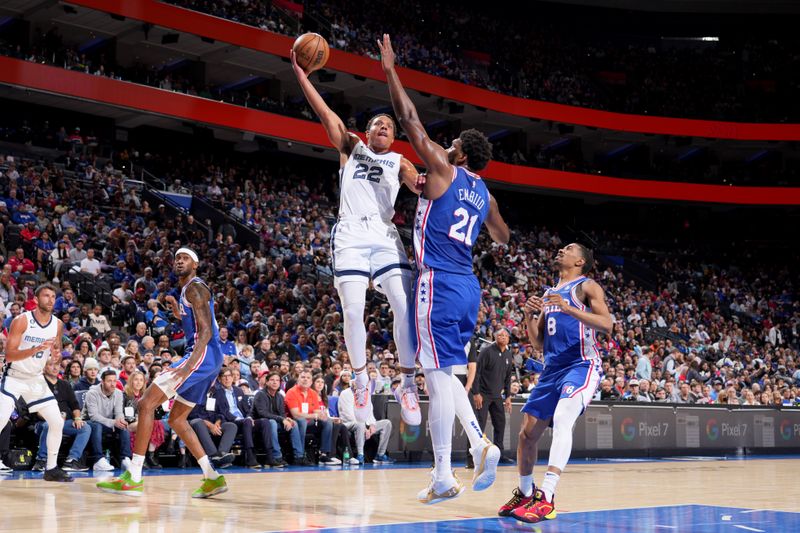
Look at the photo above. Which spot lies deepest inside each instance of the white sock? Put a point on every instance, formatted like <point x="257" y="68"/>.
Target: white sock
<point x="441" y="416"/>
<point x="526" y="485"/>
<point x="549" y="485"/>
<point x="208" y="470"/>
<point x="362" y="378"/>
<point x="466" y="415"/>
<point x="135" y="470"/>
<point x="353" y="295"/>
<point x="397" y="288"/>
<point x="55" y="426"/>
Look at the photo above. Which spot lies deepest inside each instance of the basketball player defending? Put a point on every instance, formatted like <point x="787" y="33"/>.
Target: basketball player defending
<point x="563" y="324"/>
<point x="33" y="339"/>
<point x="451" y="209"/>
<point x="187" y="380"/>
<point x="365" y="244"/>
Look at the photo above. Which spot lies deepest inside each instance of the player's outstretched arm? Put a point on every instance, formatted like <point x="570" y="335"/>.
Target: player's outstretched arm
<point x="410" y="177"/>
<point x="16" y="331"/>
<point x="440" y="171"/>
<point x="340" y="138"/>
<point x="498" y="229"/>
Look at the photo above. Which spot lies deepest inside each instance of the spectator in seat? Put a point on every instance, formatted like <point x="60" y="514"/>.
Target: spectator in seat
<point x="74" y="426"/>
<point x="269" y="413"/>
<point x="227" y="345"/>
<point x="134" y="389"/>
<point x="21" y="264"/>
<point x="232" y="406"/>
<point x="209" y="427"/>
<point x="305" y="407"/>
<point x="340" y="436"/>
<point x="98" y="320"/>
<point x="90" y="265"/>
<point x="103" y="408"/>
<point x="364" y="430"/>
<point x="73" y="373"/>
<point x="90" y="370"/>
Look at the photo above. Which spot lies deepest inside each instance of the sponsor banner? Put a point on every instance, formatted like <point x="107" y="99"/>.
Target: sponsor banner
<point x="637" y="428"/>
<point x="786" y="427"/>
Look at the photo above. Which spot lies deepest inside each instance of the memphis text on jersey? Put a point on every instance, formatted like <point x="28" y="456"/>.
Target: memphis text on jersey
<point x="364" y="157"/>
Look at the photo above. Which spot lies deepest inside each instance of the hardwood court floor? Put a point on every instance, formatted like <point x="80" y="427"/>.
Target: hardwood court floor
<point x="336" y="497"/>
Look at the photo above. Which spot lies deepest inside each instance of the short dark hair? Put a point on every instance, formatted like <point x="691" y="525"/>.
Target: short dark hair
<point x="223" y="371"/>
<point x="477" y="148"/>
<point x="588" y="257"/>
<point x="269" y="376"/>
<point x="394" y="124"/>
<point x="107" y="373"/>
<point x="42" y="287"/>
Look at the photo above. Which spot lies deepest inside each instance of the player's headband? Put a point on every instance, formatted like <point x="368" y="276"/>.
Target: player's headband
<point x="188" y="251"/>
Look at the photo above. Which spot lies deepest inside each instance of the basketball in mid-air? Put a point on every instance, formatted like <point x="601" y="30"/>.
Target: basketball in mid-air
<point x="312" y="51"/>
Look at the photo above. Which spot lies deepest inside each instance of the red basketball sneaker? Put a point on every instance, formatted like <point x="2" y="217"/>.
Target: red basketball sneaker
<point x="536" y="510"/>
<point x="517" y="500"/>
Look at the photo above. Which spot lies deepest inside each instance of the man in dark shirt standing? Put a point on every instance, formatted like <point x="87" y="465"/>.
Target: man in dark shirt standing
<point x="73" y="425"/>
<point x="492" y="381"/>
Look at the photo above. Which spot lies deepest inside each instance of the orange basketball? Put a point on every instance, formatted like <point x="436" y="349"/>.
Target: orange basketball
<point x="312" y="51"/>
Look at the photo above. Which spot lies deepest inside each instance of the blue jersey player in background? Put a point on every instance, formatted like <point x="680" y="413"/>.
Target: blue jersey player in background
<point x="187" y="380"/>
<point x="563" y="324"/>
<point x="453" y="206"/>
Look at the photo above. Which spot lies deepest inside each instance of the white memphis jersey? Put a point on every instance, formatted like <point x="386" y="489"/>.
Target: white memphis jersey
<point x="369" y="183"/>
<point x="34" y="335"/>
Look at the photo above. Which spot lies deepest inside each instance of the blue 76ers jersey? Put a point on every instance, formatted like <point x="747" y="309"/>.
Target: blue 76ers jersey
<point x="189" y="324"/>
<point x="566" y="339"/>
<point x="446" y="228"/>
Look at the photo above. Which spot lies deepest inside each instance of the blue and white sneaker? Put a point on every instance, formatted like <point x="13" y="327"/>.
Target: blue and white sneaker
<point x="383" y="460"/>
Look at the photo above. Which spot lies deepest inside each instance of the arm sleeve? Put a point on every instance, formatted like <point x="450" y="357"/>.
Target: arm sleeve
<point x="509" y="371"/>
<point x="69" y="396"/>
<point x="118" y="404"/>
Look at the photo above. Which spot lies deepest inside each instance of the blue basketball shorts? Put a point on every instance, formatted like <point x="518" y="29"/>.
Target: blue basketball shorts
<point x="443" y="315"/>
<point x="193" y="389"/>
<point x="556" y="383"/>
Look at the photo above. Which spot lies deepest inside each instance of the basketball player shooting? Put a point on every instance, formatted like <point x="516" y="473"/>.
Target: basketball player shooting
<point x="33" y="339"/>
<point x="451" y="209"/>
<point x="563" y="324"/>
<point x="187" y="380"/>
<point x="365" y="243"/>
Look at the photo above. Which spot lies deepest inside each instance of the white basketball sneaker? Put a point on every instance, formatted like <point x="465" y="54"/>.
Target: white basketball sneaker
<point x="440" y="490"/>
<point x="408" y="399"/>
<point x="485" y="456"/>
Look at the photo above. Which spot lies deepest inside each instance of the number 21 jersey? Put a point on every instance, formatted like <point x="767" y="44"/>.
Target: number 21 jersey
<point x="446" y="228"/>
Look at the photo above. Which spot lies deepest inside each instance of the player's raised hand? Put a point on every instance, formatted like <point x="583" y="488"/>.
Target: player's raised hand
<point x="298" y="70"/>
<point x="387" y="52"/>
<point x="534" y="305"/>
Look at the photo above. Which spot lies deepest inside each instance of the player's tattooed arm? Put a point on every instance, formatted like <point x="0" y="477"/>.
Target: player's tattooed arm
<point x="199" y="296"/>
<point x="340" y="138"/>
<point x="440" y="172"/>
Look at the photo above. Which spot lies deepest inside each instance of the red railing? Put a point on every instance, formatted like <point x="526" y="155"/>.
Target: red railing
<point x="149" y="99"/>
<point x="194" y="22"/>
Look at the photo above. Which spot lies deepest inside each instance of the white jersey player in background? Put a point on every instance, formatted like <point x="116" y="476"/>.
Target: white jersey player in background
<point x="365" y="244"/>
<point x="33" y="339"/>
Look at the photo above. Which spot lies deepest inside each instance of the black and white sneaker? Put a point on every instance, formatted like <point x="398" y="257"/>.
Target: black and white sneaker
<point x="56" y="474"/>
<point x="223" y="461"/>
<point x="39" y="465"/>
<point x="74" y="465"/>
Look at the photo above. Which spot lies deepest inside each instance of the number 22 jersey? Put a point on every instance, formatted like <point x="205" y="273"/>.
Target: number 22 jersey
<point x="446" y="228"/>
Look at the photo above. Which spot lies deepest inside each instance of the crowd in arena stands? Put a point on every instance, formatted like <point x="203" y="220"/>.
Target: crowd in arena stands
<point x="544" y="58"/>
<point x="650" y="164"/>
<point x="705" y="334"/>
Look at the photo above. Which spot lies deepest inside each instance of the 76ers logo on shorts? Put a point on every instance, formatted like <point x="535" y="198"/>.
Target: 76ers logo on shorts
<point x="567" y="389"/>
